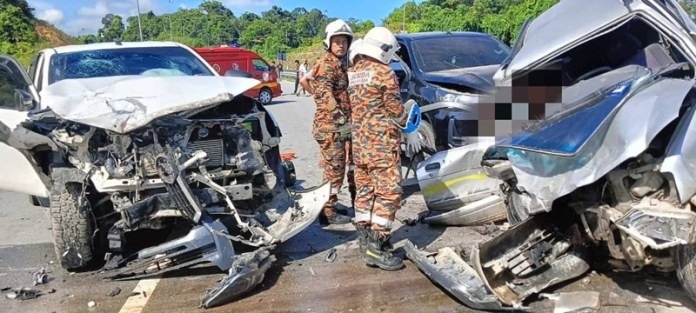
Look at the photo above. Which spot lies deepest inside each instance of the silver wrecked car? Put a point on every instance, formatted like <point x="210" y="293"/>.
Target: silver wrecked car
<point x="611" y="172"/>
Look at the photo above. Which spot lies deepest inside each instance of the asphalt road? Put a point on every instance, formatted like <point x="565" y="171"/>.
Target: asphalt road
<point x="301" y="280"/>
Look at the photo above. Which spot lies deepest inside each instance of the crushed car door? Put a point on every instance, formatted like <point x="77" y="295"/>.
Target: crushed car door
<point x="16" y="99"/>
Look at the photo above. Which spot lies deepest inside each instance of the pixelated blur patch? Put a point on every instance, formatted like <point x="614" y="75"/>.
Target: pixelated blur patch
<point x="503" y="111"/>
<point x="520" y="111"/>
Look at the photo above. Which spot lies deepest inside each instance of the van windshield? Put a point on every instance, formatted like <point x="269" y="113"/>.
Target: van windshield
<point x="126" y="61"/>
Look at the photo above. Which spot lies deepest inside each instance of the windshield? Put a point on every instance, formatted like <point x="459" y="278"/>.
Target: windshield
<point x="126" y="61"/>
<point x="454" y="52"/>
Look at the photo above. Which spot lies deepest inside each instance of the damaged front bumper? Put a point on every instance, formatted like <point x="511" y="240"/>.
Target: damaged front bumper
<point x="212" y="243"/>
<point x="507" y="269"/>
<point x="447" y="269"/>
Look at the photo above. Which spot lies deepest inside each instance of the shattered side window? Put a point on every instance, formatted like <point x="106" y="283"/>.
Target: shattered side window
<point x="154" y="61"/>
<point x="8" y="84"/>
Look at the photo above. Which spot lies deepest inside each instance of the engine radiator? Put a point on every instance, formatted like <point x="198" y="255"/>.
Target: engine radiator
<point x="214" y="148"/>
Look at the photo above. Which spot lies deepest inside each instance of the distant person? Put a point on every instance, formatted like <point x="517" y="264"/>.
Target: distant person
<point x="302" y="72"/>
<point x="297" y="76"/>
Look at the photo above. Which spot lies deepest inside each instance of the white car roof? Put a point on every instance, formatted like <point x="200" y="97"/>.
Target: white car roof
<point x="114" y="45"/>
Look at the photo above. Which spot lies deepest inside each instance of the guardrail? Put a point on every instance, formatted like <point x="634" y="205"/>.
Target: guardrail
<point x="288" y="75"/>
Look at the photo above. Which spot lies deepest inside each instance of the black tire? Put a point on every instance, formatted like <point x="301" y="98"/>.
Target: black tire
<point x="425" y="130"/>
<point x="686" y="268"/>
<point x="265" y="96"/>
<point x="72" y="226"/>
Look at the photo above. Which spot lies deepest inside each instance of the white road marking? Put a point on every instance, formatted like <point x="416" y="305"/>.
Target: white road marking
<point x="136" y="303"/>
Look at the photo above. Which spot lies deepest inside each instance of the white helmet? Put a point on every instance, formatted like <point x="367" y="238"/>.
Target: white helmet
<point x="335" y="28"/>
<point x="379" y="43"/>
<point x="353" y="50"/>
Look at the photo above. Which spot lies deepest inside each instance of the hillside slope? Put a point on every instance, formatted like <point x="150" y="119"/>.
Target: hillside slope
<point x="52" y="35"/>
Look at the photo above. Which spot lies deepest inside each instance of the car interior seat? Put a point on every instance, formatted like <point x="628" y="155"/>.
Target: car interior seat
<point x="654" y="57"/>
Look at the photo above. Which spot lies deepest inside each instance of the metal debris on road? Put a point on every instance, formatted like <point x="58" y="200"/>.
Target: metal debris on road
<point x="23" y="294"/>
<point x="331" y="256"/>
<point x="574" y="301"/>
<point x="410" y="221"/>
<point x="40" y="277"/>
<point x="114" y="292"/>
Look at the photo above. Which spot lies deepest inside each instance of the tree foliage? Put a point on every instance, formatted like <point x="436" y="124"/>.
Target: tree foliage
<point x="275" y="30"/>
<point x="500" y="18"/>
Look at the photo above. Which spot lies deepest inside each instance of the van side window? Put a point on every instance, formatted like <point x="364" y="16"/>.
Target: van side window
<point x="259" y="65"/>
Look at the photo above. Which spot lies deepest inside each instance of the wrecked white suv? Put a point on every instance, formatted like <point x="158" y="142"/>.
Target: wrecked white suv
<point x="125" y="137"/>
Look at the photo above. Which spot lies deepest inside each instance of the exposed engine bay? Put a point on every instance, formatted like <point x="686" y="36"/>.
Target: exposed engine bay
<point x="211" y="176"/>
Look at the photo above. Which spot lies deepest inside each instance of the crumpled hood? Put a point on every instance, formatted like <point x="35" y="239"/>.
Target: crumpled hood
<point x="479" y="78"/>
<point x="125" y="103"/>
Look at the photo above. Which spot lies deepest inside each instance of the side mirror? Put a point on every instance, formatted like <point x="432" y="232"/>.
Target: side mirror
<point x="24" y="101"/>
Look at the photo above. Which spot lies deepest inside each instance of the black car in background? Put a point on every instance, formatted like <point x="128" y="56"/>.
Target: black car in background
<point x="448" y="74"/>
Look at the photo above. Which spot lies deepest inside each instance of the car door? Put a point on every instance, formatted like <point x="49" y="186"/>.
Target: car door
<point x="16" y="99"/>
<point x="404" y="74"/>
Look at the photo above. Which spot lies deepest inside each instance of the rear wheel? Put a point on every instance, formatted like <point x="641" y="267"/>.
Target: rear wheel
<point x="686" y="268"/>
<point x="72" y="226"/>
<point x="265" y="96"/>
<point x="427" y="134"/>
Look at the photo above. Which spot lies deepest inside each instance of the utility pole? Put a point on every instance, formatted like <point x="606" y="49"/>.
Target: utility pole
<point x="403" y="20"/>
<point x="140" y="26"/>
<point x="171" y="37"/>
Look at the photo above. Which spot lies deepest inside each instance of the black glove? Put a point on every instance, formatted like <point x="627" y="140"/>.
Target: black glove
<point x="345" y="131"/>
<point x="339" y="117"/>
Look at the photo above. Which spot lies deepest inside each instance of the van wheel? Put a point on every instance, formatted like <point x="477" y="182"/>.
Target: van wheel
<point x="265" y="96"/>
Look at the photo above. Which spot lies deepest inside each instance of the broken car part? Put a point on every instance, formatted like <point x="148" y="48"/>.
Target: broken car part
<point x="457" y="191"/>
<point x="578" y="301"/>
<point x="40" y="277"/>
<point x="23" y="294"/>
<point x="247" y="271"/>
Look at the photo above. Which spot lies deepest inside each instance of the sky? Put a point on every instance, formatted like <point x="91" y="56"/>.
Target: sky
<point x="77" y="17"/>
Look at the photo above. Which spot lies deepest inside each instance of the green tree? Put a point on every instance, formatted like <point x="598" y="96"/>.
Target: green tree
<point x="112" y="28"/>
<point x="15" y="26"/>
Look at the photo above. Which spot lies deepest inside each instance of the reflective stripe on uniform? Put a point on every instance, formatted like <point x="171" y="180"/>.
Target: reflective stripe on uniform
<point x="362" y="217"/>
<point x="381" y="221"/>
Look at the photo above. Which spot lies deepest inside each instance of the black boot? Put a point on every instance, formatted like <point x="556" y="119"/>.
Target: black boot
<point x="353" y="193"/>
<point x="378" y="252"/>
<point x="363" y="229"/>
